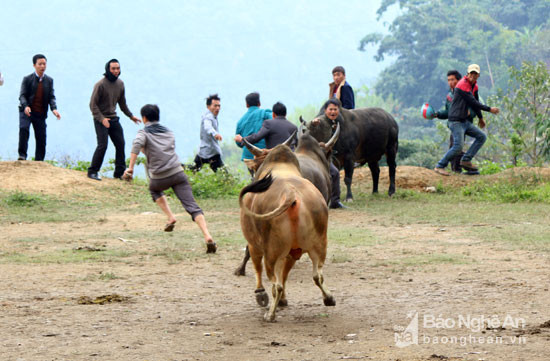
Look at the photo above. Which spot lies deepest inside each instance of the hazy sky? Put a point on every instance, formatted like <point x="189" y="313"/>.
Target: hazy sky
<point x="175" y="53"/>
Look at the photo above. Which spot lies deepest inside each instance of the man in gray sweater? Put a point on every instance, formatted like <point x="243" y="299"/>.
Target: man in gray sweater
<point x="164" y="170"/>
<point x="108" y="92"/>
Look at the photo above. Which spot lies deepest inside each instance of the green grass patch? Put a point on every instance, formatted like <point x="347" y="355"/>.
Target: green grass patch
<point x="520" y="190"/>
<point x="221" y="184"/>
<point x="23" y="200"/>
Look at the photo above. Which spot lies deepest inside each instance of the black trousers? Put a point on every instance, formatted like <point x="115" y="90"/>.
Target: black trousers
<point x="214" y="161"/>
<point x="116" y="134"/>
<point x="39" y="125"/>
<point x="335" y="180"/>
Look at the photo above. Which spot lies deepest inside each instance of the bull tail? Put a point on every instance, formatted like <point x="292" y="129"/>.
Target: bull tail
<point x="261" y="186"/>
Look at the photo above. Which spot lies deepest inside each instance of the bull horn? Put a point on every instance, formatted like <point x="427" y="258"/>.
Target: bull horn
<point x="302" y="120"/>
<point x="252" y="148"/>
<point x="289" y="140"/>
<point x="334" y="137"/>
<point x="301" y="130"/>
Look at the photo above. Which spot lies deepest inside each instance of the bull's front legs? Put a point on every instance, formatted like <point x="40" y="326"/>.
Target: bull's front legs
<point x="348" y="175"/>
<point x="375" y="174"/>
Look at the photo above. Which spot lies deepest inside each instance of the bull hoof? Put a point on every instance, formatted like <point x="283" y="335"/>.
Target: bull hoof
<point x="329" y="301"/>
<point x="349" y="200"/>
<point x="283" y="303"/>
<point x="239" y="271"/>
<point x="391" y="193"/>
<point x="269" y="317"/>
<point x="262" y="299"/>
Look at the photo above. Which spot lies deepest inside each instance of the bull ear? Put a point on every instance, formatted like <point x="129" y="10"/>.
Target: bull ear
<point x="332" y="141"/>
<point x="288" y="142"/>
<point x="252" y="148"/>
<point x="302" y="120"/>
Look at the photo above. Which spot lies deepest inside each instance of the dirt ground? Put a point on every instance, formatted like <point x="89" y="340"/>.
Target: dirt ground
<point x="196" y="309"/>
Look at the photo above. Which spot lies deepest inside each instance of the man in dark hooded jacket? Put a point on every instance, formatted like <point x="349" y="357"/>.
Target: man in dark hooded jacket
<point x="108" y="92"/>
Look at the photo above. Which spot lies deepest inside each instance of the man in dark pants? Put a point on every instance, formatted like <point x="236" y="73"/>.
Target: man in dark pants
<point x="275" y="131"/>
<point x="36" y="95"/>
<point x="331" y="111"/>
<point x="107" y="93"/>
<point x="210" y="151"/>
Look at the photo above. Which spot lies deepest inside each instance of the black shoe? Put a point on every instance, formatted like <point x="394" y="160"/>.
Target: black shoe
<point x="211" y="247"/>
<point x="94" y="176"/>
<point x="337" y="205"/>
<point x="21" y="158"/>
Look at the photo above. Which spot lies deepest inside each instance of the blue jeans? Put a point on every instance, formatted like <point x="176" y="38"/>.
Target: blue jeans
<point x="458" y="130"/>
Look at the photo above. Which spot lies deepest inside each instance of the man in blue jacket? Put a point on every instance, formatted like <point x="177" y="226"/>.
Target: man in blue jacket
<point x="250" y="123"/>
<point x="274" y="131"/>
<point x="459" y="113"/>
<point x="340" y="88"/>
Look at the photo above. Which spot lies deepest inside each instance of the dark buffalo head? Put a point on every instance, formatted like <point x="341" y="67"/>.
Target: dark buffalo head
<point x="320" y="127"/>
<point x="309" y="142"/>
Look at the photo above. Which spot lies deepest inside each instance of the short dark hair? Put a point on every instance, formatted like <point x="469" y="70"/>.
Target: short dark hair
<point x="38" y="57"/>
<point x="210" y="98"/>
<point x="151" y="112"/>
<point x="456" y="74"/>
<point x="333" y="101"/>
<point x="339" y="69"/>
<point x="279" y="109"/>
<point x="253" y="100"/>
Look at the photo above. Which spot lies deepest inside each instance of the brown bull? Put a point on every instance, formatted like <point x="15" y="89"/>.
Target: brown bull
<point x="282" y="216"/>
<point x="313" y="158"/>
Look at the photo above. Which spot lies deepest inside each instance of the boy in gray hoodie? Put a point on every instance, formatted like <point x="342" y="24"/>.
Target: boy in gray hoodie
<point x="164" y="170"/>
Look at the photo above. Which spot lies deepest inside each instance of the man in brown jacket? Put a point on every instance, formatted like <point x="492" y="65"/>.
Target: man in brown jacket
<point x="108" y="92"/>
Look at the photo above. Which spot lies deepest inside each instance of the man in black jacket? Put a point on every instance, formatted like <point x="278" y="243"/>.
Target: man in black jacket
<point x="340" y="88"/>
<point x="275" y="131"/>
<point x="459" y="112"/>
<point x="36" y="95"/>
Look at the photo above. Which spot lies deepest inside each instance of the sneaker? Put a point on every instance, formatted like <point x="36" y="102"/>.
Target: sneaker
<point x="337" y="205"/>
<point x="468" y="165"/>
<point x="441" y="171"/>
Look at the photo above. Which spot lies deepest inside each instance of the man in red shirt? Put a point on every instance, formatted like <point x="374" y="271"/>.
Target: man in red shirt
<point x="459" y="112"/>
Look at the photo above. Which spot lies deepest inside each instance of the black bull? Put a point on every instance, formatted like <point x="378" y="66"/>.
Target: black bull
<point x="313" y="158"/>
<point x="366" y="134"/>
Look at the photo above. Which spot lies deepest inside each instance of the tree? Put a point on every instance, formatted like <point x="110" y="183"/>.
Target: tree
<point x="430" y="37"/>
<point x="522" y="130"/>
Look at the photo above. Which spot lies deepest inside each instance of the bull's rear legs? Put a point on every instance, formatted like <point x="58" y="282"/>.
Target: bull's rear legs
<point x="261" y="296"/>
<point x="328" y="299"/>
<point x="289" y="263"/>
<point x="275" y="274"/>
<point x="240" y="271"/>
